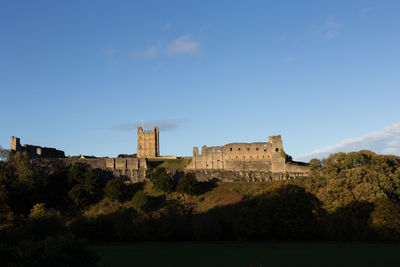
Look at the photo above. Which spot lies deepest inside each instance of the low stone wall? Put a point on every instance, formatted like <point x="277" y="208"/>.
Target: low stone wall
<point x="243" y="176"/>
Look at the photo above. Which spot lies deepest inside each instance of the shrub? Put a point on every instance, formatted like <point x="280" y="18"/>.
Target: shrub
<point x="38" y="211"/>
<point x="140" y="201"/>
<point x="162" y="181"/>
<point x="115" y="189"/>
<point x="188" y="184"/>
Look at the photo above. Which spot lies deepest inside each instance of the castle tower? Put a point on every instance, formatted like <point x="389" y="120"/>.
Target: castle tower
<point x="15" y="144"/>
<point x="148" y="145"/>
<point x="276" y="147"/>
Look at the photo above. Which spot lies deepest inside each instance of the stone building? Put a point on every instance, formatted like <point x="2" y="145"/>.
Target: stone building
<point x="259" y="156"/>
<point x="148" y="145"/>
<point x="35" y="151"/>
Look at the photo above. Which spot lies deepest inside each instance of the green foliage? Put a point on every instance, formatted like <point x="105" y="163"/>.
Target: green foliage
<point x="115" y="189"/>
<point x="385" y="219"/>
<point x="170" y="164"/>
<point x="162" y="181"/>
<point x="188" y="184"/>
<point x="38" y="211"/>
<point x="86" y="187"/>
<point x="140" y="201"/>
<point x="285" y="156"/>
<point x="343" y="178"/>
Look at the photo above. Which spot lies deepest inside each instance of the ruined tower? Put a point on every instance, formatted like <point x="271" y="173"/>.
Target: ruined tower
<point x="147" y="143"/>
<point x="15" y="144"/>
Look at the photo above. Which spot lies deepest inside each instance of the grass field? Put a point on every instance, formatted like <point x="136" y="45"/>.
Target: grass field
<point x="170" y="164"/>
<point x="249" y="254"/>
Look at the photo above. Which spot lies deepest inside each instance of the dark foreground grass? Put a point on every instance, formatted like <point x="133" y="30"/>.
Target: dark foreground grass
<point x="249" y="254"/>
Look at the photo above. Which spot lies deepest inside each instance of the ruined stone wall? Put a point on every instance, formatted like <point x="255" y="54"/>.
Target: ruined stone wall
<point x="35" y="151"/>
<point x="259" y="156"/>
<point x="148" y="143"/>
<point x="131" y="169"/>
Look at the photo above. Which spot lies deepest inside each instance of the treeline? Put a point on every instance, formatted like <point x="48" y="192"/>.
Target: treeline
<point x="348" y="196"/>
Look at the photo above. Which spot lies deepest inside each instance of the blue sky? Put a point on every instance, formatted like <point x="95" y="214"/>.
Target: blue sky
<point x="80" y="75"/>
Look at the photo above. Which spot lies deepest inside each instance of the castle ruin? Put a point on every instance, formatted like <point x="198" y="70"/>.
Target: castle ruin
<point x="148" y="143"/>
<point x="259" y="161"/>
<point x="35" y="151"/>
<point x="260" y="156"/>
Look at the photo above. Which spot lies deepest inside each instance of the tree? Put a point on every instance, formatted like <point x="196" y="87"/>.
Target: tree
<point x="287" y="212"/>
<point x="140" y="201"/>
<point x="286" y="156"/>
<point x="385" y="219"/>
<point x="188" y="184"/>
<point x="4" y="154"/>
<point x="115" y="189"/>
<point x="86" y="187"/>
<point x="162" y="181"/>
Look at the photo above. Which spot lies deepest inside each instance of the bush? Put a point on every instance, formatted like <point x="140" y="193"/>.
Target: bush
<point x="140" y="201"/>
<point x="86" y="186"/>
<point x="162" y="181"/>
<point x="38" y="211"/>
<point x="115" y="189"/>
<point x="188" y="184"/>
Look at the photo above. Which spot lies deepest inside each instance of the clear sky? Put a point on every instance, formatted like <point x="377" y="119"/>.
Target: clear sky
<point x="81" y="75"/>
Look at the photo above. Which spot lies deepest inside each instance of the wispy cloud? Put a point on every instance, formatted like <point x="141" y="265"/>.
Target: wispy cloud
<point x="110" y="54"/>
<point x="366" y="10"/>
<point x="290" y="58"/>
<point x="167" y="26"/>
<point x="184" y="44"/>
<point x="163" y="125"/>
<point x="331" y="29"/>
<point x="328" y="30"/>
<point x="385" y="141"/>
<point x="151" y="52"/>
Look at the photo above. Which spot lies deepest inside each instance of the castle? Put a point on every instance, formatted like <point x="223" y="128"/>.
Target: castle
<point x="35" y="151"/>
<point x="260" y="156"/>
<point x="243" y="161"/>
<point x="147" y="143"/>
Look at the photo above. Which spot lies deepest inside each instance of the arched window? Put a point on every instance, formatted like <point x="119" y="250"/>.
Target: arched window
<point x="276" y="149"/>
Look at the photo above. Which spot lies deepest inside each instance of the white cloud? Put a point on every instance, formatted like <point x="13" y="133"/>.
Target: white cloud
<point x="385" y="141"/>
<point x="183" y="45"/>
<point x="151" y="52"/>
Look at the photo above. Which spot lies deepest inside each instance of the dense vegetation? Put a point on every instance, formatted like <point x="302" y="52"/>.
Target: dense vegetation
<point x="353" y="196"/>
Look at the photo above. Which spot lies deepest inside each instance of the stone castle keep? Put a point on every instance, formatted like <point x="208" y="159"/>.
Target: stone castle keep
<point x="231" y="162"/>
<point x="147" y="143"/>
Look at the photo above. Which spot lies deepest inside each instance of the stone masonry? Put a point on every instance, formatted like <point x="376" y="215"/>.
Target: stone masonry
<point x="148" y="145"/>
<point x="260" y="156"/>
<point x="35" y="151"/>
